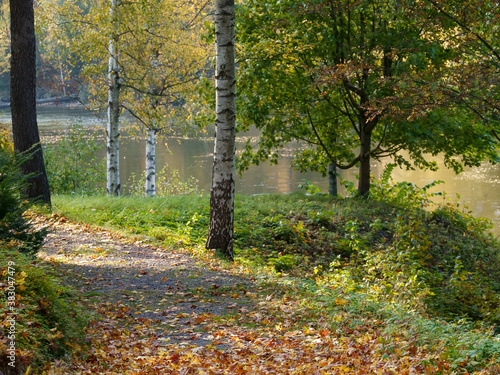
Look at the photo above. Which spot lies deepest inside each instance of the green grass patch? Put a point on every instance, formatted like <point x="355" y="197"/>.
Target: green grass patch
<point x="441" y="262"/>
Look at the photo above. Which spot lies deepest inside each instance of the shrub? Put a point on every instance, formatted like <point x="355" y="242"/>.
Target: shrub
<point x="168" y="183"/>
<point x="14" y="226"/>
<point x="443" y="262"/>
<point x="73" y="163"/>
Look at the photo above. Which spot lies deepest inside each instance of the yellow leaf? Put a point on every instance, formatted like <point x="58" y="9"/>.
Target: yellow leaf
<point x="340" y="302"/>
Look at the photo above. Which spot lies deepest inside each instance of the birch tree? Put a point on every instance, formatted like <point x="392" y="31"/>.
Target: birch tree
<point x="151" y="162"/>
<point x="164" y="57"/>
<point x="220" y="234"/>
<point x="113" y="113"/>
<point x="151" y="52"/>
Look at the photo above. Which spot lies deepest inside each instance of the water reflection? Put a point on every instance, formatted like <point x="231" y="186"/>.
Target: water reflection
<point x="194" y="158"/>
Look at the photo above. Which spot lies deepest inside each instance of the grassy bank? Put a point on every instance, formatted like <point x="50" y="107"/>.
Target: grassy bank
<point x="390" y="259"/>
<point x="44" y="322"/>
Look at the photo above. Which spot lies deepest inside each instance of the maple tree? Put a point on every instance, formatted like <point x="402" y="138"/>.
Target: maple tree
<point x="355" y="81"/>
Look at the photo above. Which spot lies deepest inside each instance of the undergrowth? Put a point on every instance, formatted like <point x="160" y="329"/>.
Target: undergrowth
<point x="396" y="256"/>
<point x="39" y="320"/>
<point x="48" y="324"/>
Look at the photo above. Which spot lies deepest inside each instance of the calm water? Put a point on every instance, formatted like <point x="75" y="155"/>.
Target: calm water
<point x="478" y="188"/>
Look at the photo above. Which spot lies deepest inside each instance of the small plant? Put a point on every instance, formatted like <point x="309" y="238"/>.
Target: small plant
<point x="350" y="189"/>
<point x="310" y="188"/>
<point x="168" y="183"/>
<point x="404" y="194"/>
<point x="284" y="263"/>
<point x="74" y="164"/>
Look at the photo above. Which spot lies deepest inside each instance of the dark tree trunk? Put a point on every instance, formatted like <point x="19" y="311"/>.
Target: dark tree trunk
<point x="364" y="163"/>
<point x="332" y="180"/>
<point x="23" y="98"/>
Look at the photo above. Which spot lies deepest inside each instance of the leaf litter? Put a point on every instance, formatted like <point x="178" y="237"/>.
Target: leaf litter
<point x="159" y="311"/>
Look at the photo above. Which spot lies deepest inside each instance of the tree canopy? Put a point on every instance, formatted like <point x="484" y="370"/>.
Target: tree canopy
<point x="354" y="80"/>
<point x="159" y="52"/>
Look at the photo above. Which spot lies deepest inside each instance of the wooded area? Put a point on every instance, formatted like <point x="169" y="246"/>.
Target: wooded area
<point x="384" y="76"/>
<point x="366" y="281"/>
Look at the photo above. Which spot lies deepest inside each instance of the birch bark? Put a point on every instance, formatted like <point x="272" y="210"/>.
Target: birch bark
<point x="113" y="120"/>
<point x="151" y="163"/>
<point x="220" y="234"/>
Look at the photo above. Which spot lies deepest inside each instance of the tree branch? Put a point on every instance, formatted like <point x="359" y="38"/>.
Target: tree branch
<point x="467" y="28"/>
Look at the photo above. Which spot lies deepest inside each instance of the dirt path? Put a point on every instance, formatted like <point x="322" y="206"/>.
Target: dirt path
<point x="146" y="282"/>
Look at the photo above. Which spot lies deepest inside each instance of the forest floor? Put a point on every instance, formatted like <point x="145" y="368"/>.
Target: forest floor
<point x="158" y="311"/>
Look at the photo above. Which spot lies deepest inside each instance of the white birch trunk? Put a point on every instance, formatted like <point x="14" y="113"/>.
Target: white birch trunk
<point x="61" y="73"/>
<point x="113" y="135"/>
<point x="151" y="163"/>
<point x="220" y="234"/>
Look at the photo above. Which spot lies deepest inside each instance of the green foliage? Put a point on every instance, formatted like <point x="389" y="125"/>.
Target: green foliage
<point x="310" y="188"/>
<point x="285" y="263"/>
<point x="331" y="73"/>
<point x="403" y="194"/>
<point x="74" y="164"/>
<point x="443" y="262"/>
<point x="14" y="226"/>
<point x="168" y="183"/>
<point x="48" y="323"/>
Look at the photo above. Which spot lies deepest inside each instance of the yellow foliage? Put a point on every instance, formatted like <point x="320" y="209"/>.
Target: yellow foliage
<point x="5" y="139"/>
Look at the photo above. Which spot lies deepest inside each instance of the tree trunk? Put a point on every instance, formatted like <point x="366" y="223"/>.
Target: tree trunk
<point x="220" y="234"/>
<point x="332" y="179"/>
<point x="113" y="135"/>
<point x="23" y="98"/>
<point x="18" y="368"/>
<point x="61" y="73"/>
<point x="364" y="163"/>
<point x="151" y="163"/>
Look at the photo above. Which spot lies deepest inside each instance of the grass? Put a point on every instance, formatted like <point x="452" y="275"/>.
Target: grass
<point x="429" y="277"/>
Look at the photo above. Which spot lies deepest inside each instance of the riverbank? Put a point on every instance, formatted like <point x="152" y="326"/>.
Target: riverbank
<point x="338" y="273"/>
<point x="64" y="100"/>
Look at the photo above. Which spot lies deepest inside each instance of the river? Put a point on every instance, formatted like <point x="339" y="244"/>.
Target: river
<point x="478" y="188"/>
